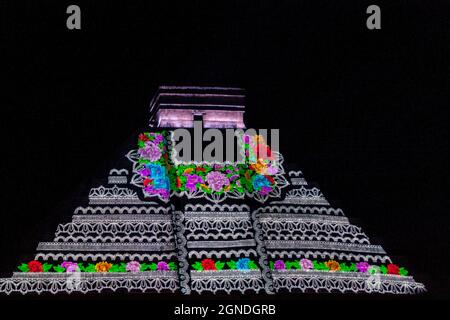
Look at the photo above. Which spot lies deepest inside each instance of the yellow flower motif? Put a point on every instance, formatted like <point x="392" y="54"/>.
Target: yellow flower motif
<point x="204" y="186"/>
<point x="333" y="265"/>
<point x="103" y="266"/>
<point x="188" y="170"/>
<point x="260" y="166"/>
<point x="228" y="187"/>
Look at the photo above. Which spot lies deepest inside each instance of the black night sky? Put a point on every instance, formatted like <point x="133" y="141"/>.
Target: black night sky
<point x="363" y="113"/>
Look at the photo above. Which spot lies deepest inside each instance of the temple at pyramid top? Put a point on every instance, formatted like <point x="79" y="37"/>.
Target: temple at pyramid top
<point x="180" y="106"/>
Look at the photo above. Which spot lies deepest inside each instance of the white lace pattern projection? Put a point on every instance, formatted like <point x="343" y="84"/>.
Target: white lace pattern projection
<point x="112" y="196"/>
<point x="95" y="282"/>
<point x="304" y="196"/>
<point x="344" y="282"/>
<point x="292" y="236"/>
<point x="227" y="281"/>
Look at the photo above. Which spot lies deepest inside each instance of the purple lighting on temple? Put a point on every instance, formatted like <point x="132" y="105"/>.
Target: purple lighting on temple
<point x="179" y="107"/>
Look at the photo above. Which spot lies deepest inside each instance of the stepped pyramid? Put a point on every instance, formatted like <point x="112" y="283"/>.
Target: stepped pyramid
<point x="156" y="224"/>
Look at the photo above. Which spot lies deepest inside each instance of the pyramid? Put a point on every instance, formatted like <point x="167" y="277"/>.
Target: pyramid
<point x="156" y="224"/>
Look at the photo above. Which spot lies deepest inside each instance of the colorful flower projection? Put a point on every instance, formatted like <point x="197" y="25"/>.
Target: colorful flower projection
<point x="154" y="160"/>
<point x="302" y="264"/>
<point x="211" y="265"/>
<point x="259" y="176"/>
<point x="333" y="266"/>
<point x="242" y="264"/>
<point x="103" y="266"/>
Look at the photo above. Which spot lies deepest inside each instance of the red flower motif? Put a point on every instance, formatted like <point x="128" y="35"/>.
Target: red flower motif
<point x="178" y="182"/>
<point x="270" y="179"/>
<point x="35" y="266"/>
<point x="147" y="181"/>
<point x="208" y="264"/>
<point x="143" y="137"/>
<point x="200" y="169"/>
<point x="392" y="269"/>
<point x="263" y="151"/>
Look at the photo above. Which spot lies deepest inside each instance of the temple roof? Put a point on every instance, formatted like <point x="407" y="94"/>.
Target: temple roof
<point x="198" y="98"/>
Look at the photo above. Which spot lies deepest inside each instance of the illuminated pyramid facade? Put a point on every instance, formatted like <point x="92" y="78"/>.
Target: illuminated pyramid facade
<point x="196" y="227"/>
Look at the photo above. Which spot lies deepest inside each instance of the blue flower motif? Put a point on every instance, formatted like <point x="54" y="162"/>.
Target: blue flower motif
<point x="161" y="183"/>
<point x="260" y="181"/>
<point x="242" y="264"/>
<point x="156" y="171"/>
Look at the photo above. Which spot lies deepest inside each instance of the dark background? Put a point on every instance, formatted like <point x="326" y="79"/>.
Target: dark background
<point x="363" y="113"/>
